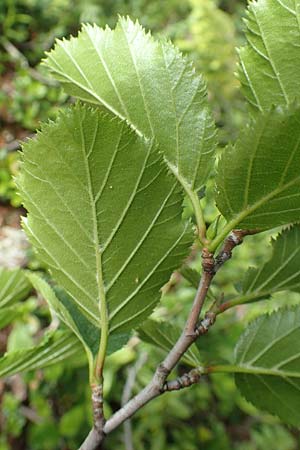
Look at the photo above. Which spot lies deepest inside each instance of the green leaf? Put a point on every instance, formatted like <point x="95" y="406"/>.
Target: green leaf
<point x="54" y="348"/>
<point x="268" y="364"/>
<point x="14" y="286"/>
<point x="269" y="68"/>
<point x="281" y="272"/>
<point x="11" y="313"/>
<point x="149" y="84"/>
<point x="258" y="178"/>
<point x="191" y="275"/>
<point x="164" y="335"/>
<point x="67" y="311"/>
<point x="20" y="337"/>
<point x="104" y="215"/>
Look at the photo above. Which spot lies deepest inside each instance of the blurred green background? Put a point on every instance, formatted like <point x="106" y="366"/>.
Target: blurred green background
<point x="50" y="409"/>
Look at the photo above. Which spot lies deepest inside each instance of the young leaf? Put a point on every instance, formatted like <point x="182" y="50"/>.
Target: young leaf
<point x="258" y="179"/>
<point x="59" y="346"/>
<point x="14" y="286"/>
<point x="268" y="364"/>
<point x="10" y="313"/>
<point x="149" y="84"/>
<point x="164" y="336"/>
<point x="269" y="68"/>
<point x="104" y="215"/>
<point x="281" y="272"/>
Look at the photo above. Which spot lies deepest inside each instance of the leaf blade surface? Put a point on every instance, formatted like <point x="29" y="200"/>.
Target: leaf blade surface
<point x="281" y="271"/>
<point x="268" y="364"/>
<point x="149" y="84"/>
<point x="98" y="212"/>
<point x="270" y="62"/>
<point x="258" y="179"/>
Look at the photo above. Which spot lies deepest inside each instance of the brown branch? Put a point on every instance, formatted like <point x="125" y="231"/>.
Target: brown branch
<point x="208" y="273"/>
<point x="235" y="238"/>
<point x="191" y="332"/>
<point x="186" y="380"/>
<point x="156" y="385"/>
<point x="95" y="437"/>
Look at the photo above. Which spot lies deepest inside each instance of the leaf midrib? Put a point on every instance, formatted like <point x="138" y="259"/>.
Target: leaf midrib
<point x="99" y="274"/>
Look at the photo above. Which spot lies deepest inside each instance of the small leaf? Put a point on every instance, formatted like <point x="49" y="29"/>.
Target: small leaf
<point x="20" y="337"/>
<point x="281" y="272"/>
<point x="11" y="313"/>
<point x="258" y="178"/>
<point x="149" y="84"/>
<point x="190" y="274"/>
<point x="269" y="68"/>
<point x="104" y="215"/>
<point x="164" y="336"/>
<point x="268" y="364"/>
<point x="217" y="224"/>
<point x="14" y="286"/>
<point x="54" y="348"/>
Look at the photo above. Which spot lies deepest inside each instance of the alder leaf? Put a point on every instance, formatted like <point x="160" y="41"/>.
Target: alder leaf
<point x="14" y="286"/>
<point x="269" y="68"/>
<point x="258" y="180"/>
<point x="148" y="83"/>
<point x="164" y="335"/>
<point x="267" y="369"/>
<point x="69" y="314"/>
<point x="55" y="347"/>
<point x="281" y="272"/>
<point x="104" y="215"/>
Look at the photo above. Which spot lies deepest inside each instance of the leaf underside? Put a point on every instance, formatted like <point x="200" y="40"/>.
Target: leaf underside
<point x="269" y="68"/>
<point x="269" y="351"/>
<point x="104" y="214"/>
<point x="164" y="335"/>
<point x="146" y="82"/>
<point x="281" y="272"/>
<point x="258" y="180"/>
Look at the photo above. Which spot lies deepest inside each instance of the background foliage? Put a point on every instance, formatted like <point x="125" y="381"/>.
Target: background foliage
<point x="50" y="408"/>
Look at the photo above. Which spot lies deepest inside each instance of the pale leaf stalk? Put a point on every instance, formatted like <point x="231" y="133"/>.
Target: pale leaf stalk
<point x="193" y="196"/>
<point x="231" y="368"/>
<point x="201" y="226"/>
<point x="241" y="300"/>
<point x="103" y="343"/>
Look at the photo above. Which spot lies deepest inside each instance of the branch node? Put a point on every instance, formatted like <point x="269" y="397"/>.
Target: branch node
<point x="206" y="323"/>
<point x="160" y="376"/>
<point x="208" y="262"/>
<point x="186" y="380"/>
